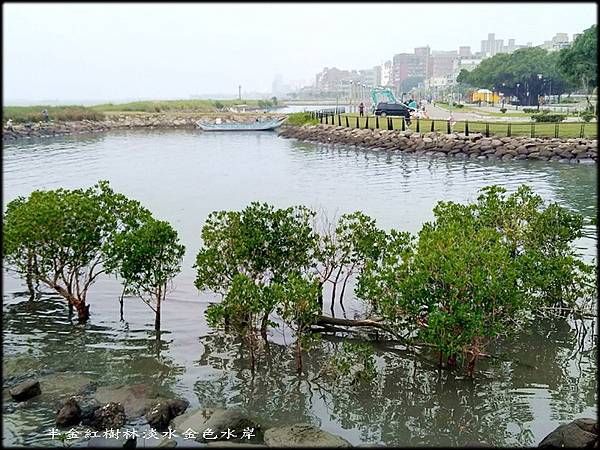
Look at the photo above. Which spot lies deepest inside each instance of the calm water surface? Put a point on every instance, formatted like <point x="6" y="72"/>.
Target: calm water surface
<point x="543" y="378"/>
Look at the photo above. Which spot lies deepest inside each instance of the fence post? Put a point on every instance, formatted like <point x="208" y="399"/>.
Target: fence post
<point x="449" y="128"/>
<point x="376" y="121"/>
<point x="326" y="119"/>
<point x="432" y="125"/>
<point x="487" y="129"/>
<point x="556" y="130"/>
<point x="347" y="124"/>
<point x="508" y="130"/>
<point x="367" y="122"/>
<point x="418" y="130"/>
<point x="403" y="124"/>
<point x="390" y="123"/>
<point x="357" y="123"/>
<point x="466" y="127"/>
<point x="532" y="129"/>
<point x="581" y="133"/>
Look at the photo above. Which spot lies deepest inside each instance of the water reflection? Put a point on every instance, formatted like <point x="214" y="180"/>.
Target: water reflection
<point x="41" y="341"/>
<point x="542" y="377"/>
<point x="411" y="402"/>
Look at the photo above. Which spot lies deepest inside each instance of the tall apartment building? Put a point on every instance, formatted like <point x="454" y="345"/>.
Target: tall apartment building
<point x="558" y="42"/>
<point x="330" y="79"/>
<point x="492" y="46"/>
<point x="443" y="63"/>
<point x="465" y="51"/>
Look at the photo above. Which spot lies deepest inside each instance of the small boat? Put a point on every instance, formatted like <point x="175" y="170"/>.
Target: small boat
<point x="237" y="126"/>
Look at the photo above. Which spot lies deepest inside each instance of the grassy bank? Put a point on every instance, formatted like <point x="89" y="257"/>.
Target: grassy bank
<point x="565" y="129"/>
<point x="26" y="114"/>
<point x="174" y="105"/>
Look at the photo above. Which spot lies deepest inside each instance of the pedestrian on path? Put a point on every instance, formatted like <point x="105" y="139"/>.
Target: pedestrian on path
<point x="361" y="109"/>
<point x="45" y="115"/>
<point x="9" y="125"/>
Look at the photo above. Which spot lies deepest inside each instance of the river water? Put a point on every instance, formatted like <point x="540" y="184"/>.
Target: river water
<point x="543" y="378"/>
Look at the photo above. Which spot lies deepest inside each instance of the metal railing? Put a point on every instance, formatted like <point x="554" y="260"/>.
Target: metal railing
<point x="503" y="129"/>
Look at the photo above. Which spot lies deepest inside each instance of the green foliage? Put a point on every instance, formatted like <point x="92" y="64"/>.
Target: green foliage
<point x="546" y="116"/>
<point x="479" y="271"/>
<point x="503" y="110"/>
<point x="586" y="116"/>
<point x="530" y="110"/>
<point x="265" y="104"/>
<point x="344" y="252"/>
<point x="301" y="118"/>
<point x="151" y="106"/>
<point x="578" y="63"/>
<point x="354" y="364"/>
<point x="28" y="114"/>
<point x="147" y="258"/>
<point x="64" y="238"/>
<point x="259" y="260"/>
<point x="504" y="71"/>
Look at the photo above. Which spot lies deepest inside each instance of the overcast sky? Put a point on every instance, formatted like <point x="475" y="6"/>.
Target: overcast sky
<point x="117" y="51"/>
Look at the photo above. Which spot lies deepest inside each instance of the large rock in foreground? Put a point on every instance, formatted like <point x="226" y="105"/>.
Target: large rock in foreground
<point x="26" y="390"/>
<point x="582" y="433"/>
<point x="302" y="435"/>
<point x="136" y="399"/>
<point x="111" y="415"/>
<point x="161" y="414"/>
<point x="69" y="414"/>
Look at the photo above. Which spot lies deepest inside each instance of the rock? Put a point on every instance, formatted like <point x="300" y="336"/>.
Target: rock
<point x="69" y="414"/>
<point x="26" y="390"/>
<point x="302" y="435"/>
<point x="121" y="442"/>
<point x="161" y="414"/>
<point x="110" y="415"/>
<point x="234" y="444"/>
<point x="222" y="419"/>
<point x="587" y="161"/>
<point x="582" y="433"/>
<point x="136" y="399"/>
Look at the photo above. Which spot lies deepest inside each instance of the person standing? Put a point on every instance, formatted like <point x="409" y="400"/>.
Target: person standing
<point x="361" y="109"/>
<point x="9" y="125"/>
<point x="45" y="115"/>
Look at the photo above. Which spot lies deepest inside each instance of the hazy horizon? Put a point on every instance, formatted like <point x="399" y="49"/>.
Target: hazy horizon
<point x="116" y="52"/>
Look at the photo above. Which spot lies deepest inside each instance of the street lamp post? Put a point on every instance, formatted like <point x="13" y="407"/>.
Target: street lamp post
<point x="518" y="100"/>
<point x="540" y="76"/>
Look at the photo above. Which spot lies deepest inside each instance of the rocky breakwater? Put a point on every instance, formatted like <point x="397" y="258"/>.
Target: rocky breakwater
<point x="120" y="121"/>
<point x="475" y="145"/>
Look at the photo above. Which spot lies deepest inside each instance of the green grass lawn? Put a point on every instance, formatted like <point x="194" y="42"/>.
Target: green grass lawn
<point x="565" y="129"/>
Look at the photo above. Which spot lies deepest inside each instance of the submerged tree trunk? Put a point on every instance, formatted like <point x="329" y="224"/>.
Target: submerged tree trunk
<point x="83" y="312"/>
<point x="263" y="326"/>
<point x="29" y="278"/>
<point x="298" y="355"/>
<point x="157" y="317"/>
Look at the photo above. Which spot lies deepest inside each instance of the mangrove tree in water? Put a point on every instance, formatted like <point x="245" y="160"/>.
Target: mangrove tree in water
<point x="475" y="273"/>
<point x="147" y="258"/>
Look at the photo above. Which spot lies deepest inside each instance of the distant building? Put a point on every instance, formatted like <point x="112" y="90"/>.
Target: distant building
<point x="558" y="42"/>
<point x="492" y="46"/>
<point x="443" y="63"/>
<point x="465" y="51"/>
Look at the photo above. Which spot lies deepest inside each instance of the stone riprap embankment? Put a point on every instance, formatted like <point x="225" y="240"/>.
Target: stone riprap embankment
<point x="475" y="145"/>
<point x="117" y="122"/>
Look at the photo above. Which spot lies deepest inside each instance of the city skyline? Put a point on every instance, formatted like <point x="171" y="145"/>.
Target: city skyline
<point x="167" y="55"/>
